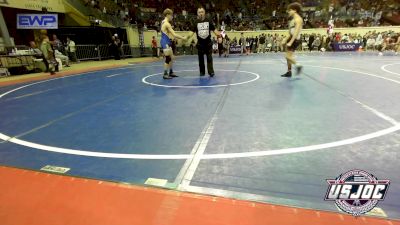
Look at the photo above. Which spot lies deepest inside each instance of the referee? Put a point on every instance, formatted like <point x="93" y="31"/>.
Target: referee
<point x="203" y="27"/>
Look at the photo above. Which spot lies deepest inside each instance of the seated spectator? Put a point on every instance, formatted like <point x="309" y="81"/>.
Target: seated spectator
<point x="386" y="45"/>
<point x="41" y="63"/>
<point x="35" y="50"/>
<point x="57" y="44"/>
<point x="345" y="39"/>
<point x="62" y="57"/>
<point x="378" y="41"/>
<point x="71" y="50"/>
<point x="316" y="43"/>
<point x="370" y="43"/>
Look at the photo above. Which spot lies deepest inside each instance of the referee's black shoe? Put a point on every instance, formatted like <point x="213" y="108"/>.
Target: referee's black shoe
<point x="287" y="74"/>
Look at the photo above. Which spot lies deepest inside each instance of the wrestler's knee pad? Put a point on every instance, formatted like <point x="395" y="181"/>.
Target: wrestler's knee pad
<point x="168" y="59"/>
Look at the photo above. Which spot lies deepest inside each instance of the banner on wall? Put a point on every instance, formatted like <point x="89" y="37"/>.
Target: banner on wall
<point x="37" y="21"/>
<point x="152" y="10"/>
<point x="50" y="5"/>
<point x="235" y="49"/>
<point x="341" y="47"/>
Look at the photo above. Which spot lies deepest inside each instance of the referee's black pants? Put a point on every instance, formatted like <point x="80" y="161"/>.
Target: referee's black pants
<point x="201" y="51"/>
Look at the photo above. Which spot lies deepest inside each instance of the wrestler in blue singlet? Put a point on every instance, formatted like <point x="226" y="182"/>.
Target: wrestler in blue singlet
<point x="165" y="40"/>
